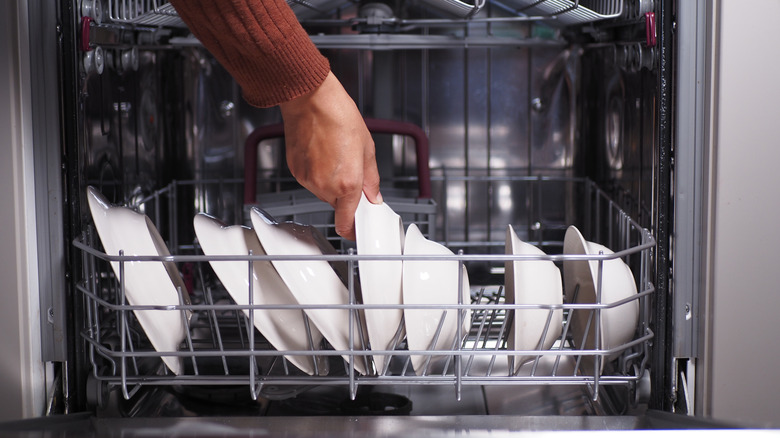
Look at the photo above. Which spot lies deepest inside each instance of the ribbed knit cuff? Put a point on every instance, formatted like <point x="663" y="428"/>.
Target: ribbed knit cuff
<point x="295" y="69"/>
<point x="261" y="44"/>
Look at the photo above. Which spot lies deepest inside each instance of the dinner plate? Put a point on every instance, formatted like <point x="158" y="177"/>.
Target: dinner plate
<point x="532" y="282"/>
<point x="379" y="231"/>
<point x="148" y="283"/>
<point x="312" y="282"/>
<point x="285" y="329"/>
<point x="432" y="282"/>
<point x="618" y="323"/>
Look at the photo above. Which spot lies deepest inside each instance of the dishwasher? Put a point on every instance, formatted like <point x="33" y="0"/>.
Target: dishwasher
<point x="554" y="117"/>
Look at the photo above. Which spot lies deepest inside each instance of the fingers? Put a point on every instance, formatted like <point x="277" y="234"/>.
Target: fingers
<point x="371" y="175"/>
<point x="345" y="215"/>
<point x="346" y="205"/>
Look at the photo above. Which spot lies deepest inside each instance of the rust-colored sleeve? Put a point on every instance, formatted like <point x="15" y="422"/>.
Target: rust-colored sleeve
<point x="261" y="44"/>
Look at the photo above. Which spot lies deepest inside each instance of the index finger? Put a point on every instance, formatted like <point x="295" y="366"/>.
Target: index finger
<point x="345" y="214"/>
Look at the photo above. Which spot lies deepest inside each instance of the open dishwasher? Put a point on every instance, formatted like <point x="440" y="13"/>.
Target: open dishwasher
<point x="540" y="115"/>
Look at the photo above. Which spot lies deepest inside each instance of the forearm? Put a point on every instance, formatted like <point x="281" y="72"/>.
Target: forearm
<point x="261" y="44"/>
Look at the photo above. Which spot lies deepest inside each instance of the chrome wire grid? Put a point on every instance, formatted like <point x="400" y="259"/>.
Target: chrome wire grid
<point x="223" y="348"/>
<point x="566" y="12"/>
<point x="144" y="12"/>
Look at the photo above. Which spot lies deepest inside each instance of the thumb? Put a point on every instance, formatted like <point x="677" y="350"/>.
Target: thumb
<point x="371" y="176"/>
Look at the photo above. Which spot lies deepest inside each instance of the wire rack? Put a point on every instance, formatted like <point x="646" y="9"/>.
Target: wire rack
<point x="222" y="347"/>
<point x="144" y="12"/>
<point x="571" y="12"/>
<point x="564" y="12"/>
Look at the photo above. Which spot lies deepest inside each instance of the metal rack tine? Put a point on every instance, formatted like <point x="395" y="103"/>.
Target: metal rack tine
<point x="434" y="341"/>
<point x="476" y="316"/>
<point x="564" y="334"/>
<point x="128" y="394"/>
<point x="310" y="342"/>
<point x="187" y="330"/>
<point x="540" y="346"/>
<point x="395" y="344"/>
<point x="585" y="336"/>
<point x="214" y="323"/>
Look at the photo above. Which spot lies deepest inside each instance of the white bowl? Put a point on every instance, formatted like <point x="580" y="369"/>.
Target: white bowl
<point x="146" y="283"/>
<point x="532" y="282"/>
<point x="312" y="282"/>
<point x="432" y="282"/>
<point x="285" y="329"/>
<point x="618" y="324"/>
<point x="379" y="231"/>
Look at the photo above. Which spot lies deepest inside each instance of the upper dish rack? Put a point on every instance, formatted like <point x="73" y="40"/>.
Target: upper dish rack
<point x="571" y="12"/>
<point x="557" y="12"/>
<point x="223" y="348"/>
<point x="144" y="12"/>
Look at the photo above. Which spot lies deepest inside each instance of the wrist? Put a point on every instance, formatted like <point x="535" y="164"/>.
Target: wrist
<point x="310" y="101"/>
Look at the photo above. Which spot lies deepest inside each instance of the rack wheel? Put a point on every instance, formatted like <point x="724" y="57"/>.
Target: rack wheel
<point x="96" y="392"/>
<point x="641" y="389"/>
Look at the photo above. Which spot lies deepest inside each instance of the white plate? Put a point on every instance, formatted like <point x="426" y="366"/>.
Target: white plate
<point x="379" y="231"/>
<point x="146" y="283"/>
<point x="618" y="324"/>
<point x="432" y="282"/>
<point x="532" y="282"/>
<point x="284" y="329"/>
<point x="312" y="282"/>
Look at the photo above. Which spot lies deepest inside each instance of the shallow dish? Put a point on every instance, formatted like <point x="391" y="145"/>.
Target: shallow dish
<point x="432" y="282"/>
<point x="618" y="324"/>
<point x="147" y="283"/>
<point x="285" y="329"/>
<point x="379" y="231"/>
<point x="532" y="282"/>
<point x="312" y="282"/>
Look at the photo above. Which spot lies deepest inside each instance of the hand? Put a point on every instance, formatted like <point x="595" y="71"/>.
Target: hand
<point x="330" y="151"/>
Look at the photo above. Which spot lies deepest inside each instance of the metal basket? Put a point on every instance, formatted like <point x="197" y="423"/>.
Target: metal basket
<point x="223" y="348"/>
<point x="144" y="12"/>
<point x="561" y="12"/>
<point x="570" y="12"/>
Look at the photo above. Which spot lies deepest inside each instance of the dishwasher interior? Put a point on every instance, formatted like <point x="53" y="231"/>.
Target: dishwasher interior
<point x="540" y="115"/>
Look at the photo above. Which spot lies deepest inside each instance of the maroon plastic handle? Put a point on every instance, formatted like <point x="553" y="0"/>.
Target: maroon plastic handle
<point x="85" y="21"/>
<point x="650" y="29"/>
<point x="377" y="126"/>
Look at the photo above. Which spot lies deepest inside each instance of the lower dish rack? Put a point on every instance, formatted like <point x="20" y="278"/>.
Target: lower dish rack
<point x="222" y="347"/>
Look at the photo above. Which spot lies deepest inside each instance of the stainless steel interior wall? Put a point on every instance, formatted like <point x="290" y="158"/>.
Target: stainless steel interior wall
<point x="126" y="127"/>
<point x="489" y="112"/>
<point x="483" y="109"/>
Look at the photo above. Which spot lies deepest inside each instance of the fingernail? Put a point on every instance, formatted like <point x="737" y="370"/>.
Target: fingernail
<point x="379" y="199"/>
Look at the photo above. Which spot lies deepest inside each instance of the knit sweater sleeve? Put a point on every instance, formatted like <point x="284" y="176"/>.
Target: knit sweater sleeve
<point x="261" y="44"/>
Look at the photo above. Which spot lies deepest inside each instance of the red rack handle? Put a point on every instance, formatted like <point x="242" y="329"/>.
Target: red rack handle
<point x="377" y="126"/>
<point x="650" y="29"/>
<point x="85" y="21"/>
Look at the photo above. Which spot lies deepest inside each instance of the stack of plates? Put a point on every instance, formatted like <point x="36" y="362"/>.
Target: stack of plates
<point x="429" y="283"/>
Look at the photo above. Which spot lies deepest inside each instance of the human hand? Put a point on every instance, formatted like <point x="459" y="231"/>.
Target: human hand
<point x="330" y="151"/>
